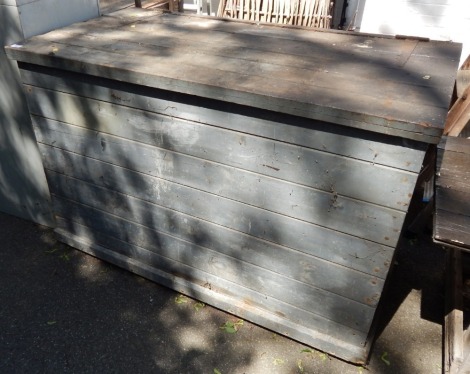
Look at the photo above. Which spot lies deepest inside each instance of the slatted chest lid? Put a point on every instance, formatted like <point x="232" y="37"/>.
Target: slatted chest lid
<point x="394" y="86"/>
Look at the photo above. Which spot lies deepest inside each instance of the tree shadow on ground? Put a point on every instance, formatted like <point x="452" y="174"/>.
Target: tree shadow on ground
<point x="64" y="310"/>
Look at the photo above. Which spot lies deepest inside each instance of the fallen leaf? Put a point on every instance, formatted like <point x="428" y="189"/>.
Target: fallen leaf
<point x="278" y="361"/>
<point x="384" y="358"/>
<point x="199" y="306"/>
<point x="181" y="299"/>
<point x="232" y="327"/>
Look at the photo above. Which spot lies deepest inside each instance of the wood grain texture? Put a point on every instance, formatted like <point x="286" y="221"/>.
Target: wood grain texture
<point x="319" y="169"/>
<point x="329" y="138"/>
<point x="358" y="254"/>
<point x="327" y="209"/>
<point x="304" y="267"/>
<point x="221" y="72"/>
<point x="463" y="78"/>
<point x="452" y="228"/>
<point x="326" y="335"/>
<point x="459" y="115"/>
<point x="327" y="304"/>
<point x="452" y="219"/>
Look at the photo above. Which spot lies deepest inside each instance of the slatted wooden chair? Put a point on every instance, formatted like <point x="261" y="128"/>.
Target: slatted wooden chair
<point x="307" y="13"/>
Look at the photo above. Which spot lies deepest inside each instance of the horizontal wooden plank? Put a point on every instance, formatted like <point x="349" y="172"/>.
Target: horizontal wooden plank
<point x="452" y="228"/>
<point x="380" y="51"/>
<point x="453" y="169"/>
<point x="453" y="164"/>
<point x="385" y="50"/>
<point x="317" y="169"/>
<point x="453" y="183"/>
<point x="342" y="310"/>
<point x="307" y="269"/>
<point x="331" y="210"/>
<point x="305" y="100"/>
<point x="326" y="335"/>
<point x="327" y="102"/>
<point x="351" y="252"/>
<point x="454" y="144"/>
<point x="361" y="145"/>
<point x="261" y="57"/>
<point x="452" y="219"/>
<point x="453" y="200"/>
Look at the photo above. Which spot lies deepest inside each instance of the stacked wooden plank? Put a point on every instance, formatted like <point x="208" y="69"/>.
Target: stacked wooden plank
<point x="248" y="166"/>
<point x="307" y="13"/>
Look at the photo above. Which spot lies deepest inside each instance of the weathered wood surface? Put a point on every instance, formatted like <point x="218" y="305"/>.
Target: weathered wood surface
<point x="264" y="310"/>
<point x="397" y="87"/>
<point x="459" y="115"/>
<point x="226" y="248"/>
<point x="463" y="77"/>
<point x="320" y="169"/>
<point x="251" y="202"/>
<point x="326" y="137"/>
<point x="327" y="209"/>
<point x="348" y="251"/>
<point x="162" y="191"/>
<point x="176" y="246"/>
<point x="452" y="221"/>
<point x="255" y="171"/>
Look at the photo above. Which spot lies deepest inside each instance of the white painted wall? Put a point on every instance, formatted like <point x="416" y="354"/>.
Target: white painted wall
<point x="40" y="16"/>
<point x="434" y="19"/>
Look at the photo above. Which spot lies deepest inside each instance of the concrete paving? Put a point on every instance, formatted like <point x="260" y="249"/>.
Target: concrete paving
<point x="63" y="311"/>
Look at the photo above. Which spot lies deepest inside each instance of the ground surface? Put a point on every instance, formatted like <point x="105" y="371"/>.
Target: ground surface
<point x="64" y="311"/>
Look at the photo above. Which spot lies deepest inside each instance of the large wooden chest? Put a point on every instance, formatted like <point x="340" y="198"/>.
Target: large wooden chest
<point x="264" y="170"/>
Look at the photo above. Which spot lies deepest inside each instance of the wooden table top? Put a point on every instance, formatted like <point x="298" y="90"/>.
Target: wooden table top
<point x="394" y="86"/>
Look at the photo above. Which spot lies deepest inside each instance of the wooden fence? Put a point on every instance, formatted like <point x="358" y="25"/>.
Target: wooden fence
<point x="307" y="13"/>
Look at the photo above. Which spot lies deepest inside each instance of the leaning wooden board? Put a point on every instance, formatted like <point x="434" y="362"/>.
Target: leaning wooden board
<point x="263" y="170"/>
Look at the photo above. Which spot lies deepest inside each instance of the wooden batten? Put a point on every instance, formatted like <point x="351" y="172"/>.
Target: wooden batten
<point x="459" y="115"/>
